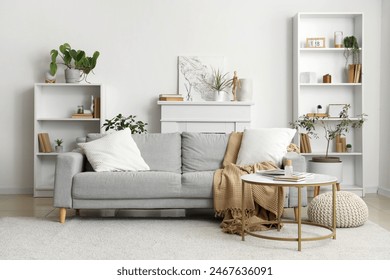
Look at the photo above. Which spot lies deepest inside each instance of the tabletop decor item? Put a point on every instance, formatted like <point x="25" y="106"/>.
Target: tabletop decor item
<point x="58" y="147"/>
<point x="338" y="39"/>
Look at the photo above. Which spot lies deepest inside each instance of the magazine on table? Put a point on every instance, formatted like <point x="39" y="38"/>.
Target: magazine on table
<point x="278" y="175"/>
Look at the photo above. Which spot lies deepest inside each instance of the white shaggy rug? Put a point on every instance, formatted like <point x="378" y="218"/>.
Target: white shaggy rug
<point x="176" y="238"/>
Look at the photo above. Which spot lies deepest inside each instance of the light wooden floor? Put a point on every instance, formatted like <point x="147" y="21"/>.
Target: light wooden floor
<point x="27" y="206"/>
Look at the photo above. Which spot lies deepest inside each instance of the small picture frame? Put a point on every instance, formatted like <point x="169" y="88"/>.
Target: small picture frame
<point x="315" y="42"/>
<point x="334" y="110"/>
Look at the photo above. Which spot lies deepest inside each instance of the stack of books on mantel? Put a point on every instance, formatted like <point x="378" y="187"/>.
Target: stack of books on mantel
<point x="278" y="175"/>
<point x="170" y="97"/>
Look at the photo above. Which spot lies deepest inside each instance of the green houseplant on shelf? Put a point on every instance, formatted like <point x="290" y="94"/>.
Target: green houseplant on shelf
<point x="326" y="164"/>
<point x="78" y="64"/>
<point x="120" y="122"/>
<point x="59" y="148"/>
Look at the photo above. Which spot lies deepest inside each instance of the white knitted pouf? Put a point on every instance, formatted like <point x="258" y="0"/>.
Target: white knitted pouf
<point x="351" y="210"/>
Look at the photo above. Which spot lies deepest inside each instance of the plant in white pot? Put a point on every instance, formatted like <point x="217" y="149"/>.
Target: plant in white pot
<point x="328" y="164"/>
<point x="59" y="148"/>
<point x="219" y="84"/>
<point x="78" y="64"/>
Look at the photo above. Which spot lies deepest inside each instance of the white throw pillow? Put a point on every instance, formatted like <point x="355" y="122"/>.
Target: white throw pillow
<point x="265" y="144"/>
<point x="115" y="152"/>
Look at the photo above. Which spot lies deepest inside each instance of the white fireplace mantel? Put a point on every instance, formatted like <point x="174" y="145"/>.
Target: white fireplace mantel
<point x="205" y="116"/>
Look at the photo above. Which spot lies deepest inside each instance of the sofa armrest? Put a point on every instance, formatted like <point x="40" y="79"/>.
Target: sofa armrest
<point x="67" y="165"/>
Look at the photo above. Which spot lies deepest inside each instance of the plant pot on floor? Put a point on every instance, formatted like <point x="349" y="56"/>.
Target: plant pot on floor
<point x="331" y="166"/>
<point x="72" y="75"/>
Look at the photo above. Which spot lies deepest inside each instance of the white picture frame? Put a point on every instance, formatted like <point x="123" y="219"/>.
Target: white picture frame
<point x="334" y="110"/>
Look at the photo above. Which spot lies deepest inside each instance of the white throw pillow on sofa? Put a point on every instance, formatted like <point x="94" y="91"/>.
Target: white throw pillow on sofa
<point x="115" y="152"/>
<point x="264" y="144"/>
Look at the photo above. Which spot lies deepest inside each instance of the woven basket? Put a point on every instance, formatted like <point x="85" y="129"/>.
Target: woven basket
<point x="351" y="210"/>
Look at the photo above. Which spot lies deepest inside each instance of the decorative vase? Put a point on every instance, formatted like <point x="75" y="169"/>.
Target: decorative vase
<point x="244" y="92"/>
<point x="59" y="149"/>
<point x="50" y="79"/>
<point x="219" y="96"/>
<point x="349" y="150"/>
<point x="72" y="75"/>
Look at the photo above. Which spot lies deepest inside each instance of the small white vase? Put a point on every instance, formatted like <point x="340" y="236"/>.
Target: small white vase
<point x="50" y="79"/>
<point x="244" y="91"/>
<point x="219" y="96"/>
<point x="72" y="76"/>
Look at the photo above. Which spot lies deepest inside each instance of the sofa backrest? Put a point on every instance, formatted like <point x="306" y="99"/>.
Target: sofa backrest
<point x="203" y="151"/>
<point x="161" y="151"/>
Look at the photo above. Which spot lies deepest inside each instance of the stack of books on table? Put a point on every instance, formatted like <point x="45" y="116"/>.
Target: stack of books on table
<point x="170" y="97"/>
<point x="278" y="175"/>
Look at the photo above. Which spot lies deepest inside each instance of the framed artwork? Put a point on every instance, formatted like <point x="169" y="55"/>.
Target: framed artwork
<point x="194" y="72"/>
<point x="334" y="110"/>
<point x="315" y="42"/>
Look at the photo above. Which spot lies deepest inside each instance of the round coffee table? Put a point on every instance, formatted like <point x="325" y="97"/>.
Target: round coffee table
<point x="312" y="181"/>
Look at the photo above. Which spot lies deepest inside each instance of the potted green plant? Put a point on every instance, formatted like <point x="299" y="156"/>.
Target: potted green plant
<point x="59" y="148"/>
<point x="352" y="49"/>
<point x="349" y="148"/>
<point x="328" y="164"/>
<point x="78" y="64"/>
<point x="120" y="122"/>
<point x="219" y="84"/>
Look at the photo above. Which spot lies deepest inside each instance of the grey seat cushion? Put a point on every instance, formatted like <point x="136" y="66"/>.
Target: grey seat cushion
<point x="197" y="184"/>
<point x="161" y="151"/>
<point x="126" y="185"/>
<point x="203" y="151"/>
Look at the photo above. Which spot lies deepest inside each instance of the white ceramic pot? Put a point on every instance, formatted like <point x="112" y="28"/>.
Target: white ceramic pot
<point x="244" y="90"/>
<point x="220" y="96"/>
<point x="59" y="149"/>
<point x="329" y="168"/>
<point x="72" y="75"/>
<point x="50" y="78"/>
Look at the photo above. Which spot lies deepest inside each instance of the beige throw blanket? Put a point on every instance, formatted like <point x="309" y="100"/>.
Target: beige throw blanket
<point x="260" y="201"/>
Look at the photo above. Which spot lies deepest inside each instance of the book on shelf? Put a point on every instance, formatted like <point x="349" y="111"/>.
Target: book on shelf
<point x="170" y="97"/>
<point x="308" y="145"/>
<point x="96" y="107"/>
<point x="354" y="73"/>
<point x="319" y="115"/>
<point x="44" y="143"/>
<point x="82" y="116"/>
<point x="305" y="146"/>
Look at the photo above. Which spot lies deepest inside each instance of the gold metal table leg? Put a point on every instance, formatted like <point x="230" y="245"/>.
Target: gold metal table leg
<point x="243" y="211"/>
<point x="278" y="211"/>
<point x="334" y="186"/>
<point x="299" y="219"/>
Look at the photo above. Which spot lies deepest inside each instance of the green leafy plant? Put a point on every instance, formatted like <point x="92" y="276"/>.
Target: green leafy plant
<point x="348" y="146"/>
<point x="121" y="122"/>
<point x="331" y="130"/>
<point x="351" y="48"/>
<point x="220" y="82"/>
<point x="59" y="142"/>
<point x="73" y="59"/>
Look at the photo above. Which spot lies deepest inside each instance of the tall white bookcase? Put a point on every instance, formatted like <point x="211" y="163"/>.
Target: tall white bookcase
<point x="330" y="60"/>
<point x="54" y="105"/>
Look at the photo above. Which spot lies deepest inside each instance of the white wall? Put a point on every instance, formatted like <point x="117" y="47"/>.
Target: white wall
<point x="384" y="174"/>
<point x="139" y="43"/>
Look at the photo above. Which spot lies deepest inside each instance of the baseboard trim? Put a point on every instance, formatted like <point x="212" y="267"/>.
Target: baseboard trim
<point x="10" y="191"/>
<point x="384" y="191"/>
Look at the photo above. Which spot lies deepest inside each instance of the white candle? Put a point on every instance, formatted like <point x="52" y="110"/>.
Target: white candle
<point x="338" y="39"/>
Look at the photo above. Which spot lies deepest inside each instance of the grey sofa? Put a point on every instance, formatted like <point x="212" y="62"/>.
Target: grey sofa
<point x="181" y="173"/>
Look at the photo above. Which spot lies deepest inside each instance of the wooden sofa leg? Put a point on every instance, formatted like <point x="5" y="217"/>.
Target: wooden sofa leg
<point x="62" y="215"/>
<point x="77" y="212"/>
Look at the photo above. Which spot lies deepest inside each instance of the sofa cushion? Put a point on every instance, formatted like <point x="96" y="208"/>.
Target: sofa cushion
<point x="197" y="184"/>
<point x="161" y="151"/>
<point x="203" y="151"/>
<point x="126" y="185"/>
<point x="115" y="152"/>
<point x="264" y="144"/>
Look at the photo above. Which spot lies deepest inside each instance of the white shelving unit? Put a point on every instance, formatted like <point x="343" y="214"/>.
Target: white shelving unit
<point x="330" y="60"/>
<point x="54" y="105"/>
